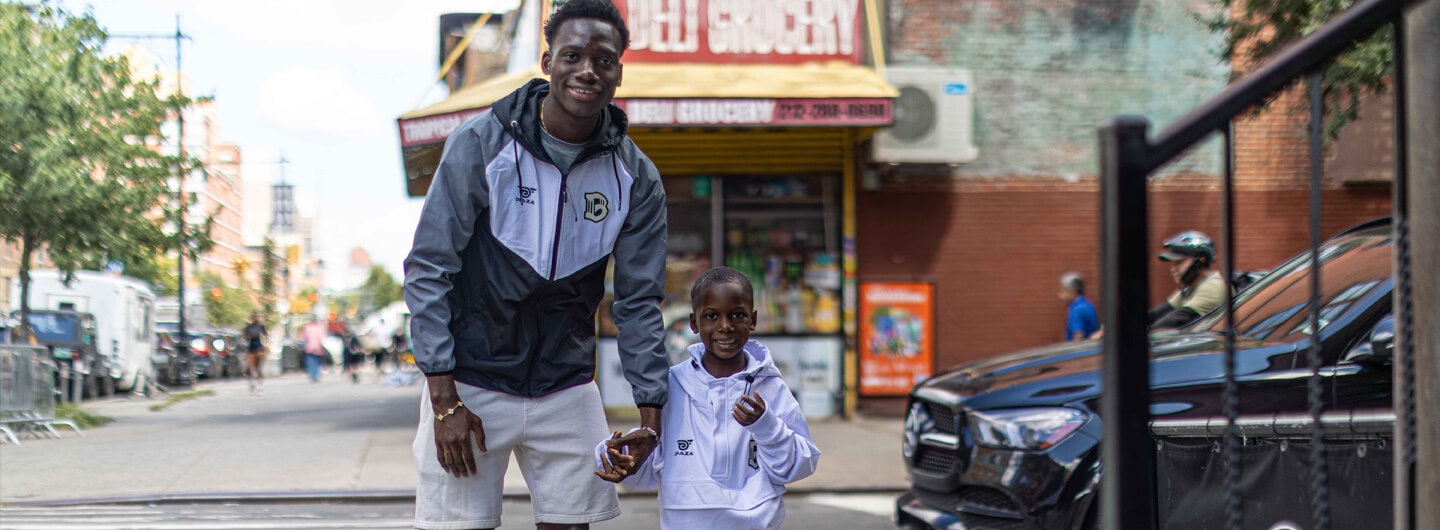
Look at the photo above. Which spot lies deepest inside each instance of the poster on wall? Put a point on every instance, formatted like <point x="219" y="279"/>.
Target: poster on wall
<point x="897" y="330"/>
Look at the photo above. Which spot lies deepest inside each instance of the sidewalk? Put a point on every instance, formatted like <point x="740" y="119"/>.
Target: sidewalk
<point x="333" y="439"/>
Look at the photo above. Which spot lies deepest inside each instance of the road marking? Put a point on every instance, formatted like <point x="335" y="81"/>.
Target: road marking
<point x="878" y="505"/>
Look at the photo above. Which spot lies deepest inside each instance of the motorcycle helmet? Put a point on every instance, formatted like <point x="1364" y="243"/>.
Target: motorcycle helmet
<point x="1186" y="245"/>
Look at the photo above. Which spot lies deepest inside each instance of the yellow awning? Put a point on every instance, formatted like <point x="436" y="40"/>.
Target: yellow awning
<point x="672" y="80"/>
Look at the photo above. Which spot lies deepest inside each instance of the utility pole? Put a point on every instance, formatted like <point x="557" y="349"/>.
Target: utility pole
<point x="180" y="226"/>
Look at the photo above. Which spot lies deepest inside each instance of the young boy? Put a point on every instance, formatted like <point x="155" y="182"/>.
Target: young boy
<point x="733" y="434"/>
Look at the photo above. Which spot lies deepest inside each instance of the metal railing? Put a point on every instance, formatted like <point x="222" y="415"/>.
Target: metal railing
<point x="27" y="394"/>
<point x="1127" y="159"/>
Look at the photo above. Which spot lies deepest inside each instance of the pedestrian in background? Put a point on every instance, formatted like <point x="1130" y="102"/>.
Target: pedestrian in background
<point x="313" y="337"/>
<point x="1191" y="257"/>
<point x="255" y="335"/>
<point x="1081" y="320"/>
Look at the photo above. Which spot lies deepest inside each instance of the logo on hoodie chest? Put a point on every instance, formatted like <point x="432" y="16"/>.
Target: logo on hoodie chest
<point x="684" y="447"/>
<point x="524" y="195"/>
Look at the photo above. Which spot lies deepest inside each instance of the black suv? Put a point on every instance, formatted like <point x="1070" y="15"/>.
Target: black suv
<point x="1013" y="441"/>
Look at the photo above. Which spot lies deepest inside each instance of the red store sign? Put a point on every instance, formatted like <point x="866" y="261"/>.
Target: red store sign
<point x="755" y="112"/>
<point x="743" y="31"/>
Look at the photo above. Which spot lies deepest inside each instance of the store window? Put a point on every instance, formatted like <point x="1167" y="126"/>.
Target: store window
<point x="782" y="232"/>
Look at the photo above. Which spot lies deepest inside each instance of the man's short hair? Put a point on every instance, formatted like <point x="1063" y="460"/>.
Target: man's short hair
<point x="1073" y="281"/>
<point x="602" y="10"/>
<point x="719" y="275"/>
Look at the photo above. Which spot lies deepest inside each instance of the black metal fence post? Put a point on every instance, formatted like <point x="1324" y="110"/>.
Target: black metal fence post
<point x="1128" y="488"/>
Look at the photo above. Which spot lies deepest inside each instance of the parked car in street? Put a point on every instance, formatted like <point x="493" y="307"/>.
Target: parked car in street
<point x="70" y="337"/>
<point x="124" y="317"/>
<point x="172" y="364"/>
<point x="1014" y="441"/>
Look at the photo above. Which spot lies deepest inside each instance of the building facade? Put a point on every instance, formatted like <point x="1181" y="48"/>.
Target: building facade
<point x="1000" y="231"/>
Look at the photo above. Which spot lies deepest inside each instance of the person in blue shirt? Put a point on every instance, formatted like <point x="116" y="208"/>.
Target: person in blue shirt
<point x="1081" y="321"/>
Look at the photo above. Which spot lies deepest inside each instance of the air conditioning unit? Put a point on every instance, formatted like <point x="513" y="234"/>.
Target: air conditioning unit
<point x="933" y="117"/>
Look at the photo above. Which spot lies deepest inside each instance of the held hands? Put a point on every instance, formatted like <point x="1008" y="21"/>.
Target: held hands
<point x="452" y="434"/>
<point x="749" y="415"/>
<point x="618" y="465"/>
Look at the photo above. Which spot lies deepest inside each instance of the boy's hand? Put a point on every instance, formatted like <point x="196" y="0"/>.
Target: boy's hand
<point x="748" y="415"/>
<point x="623" y="464"/>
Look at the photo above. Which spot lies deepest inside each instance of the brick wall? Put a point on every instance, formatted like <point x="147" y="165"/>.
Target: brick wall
<point x="1047" y="72"/>
<point x="997" y="256"/>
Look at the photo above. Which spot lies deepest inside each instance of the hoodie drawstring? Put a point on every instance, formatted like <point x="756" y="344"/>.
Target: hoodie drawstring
<point x="515" y="150"/>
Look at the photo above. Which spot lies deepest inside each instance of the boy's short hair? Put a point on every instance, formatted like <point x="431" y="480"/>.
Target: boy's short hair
<point x="719" y="275"/>
<point x="602" y="10"/>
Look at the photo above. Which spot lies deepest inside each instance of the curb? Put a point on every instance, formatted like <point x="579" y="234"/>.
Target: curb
<point x="372" y="496"/>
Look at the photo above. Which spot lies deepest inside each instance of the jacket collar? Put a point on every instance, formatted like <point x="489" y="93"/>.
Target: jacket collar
<point x="519" y="113"/>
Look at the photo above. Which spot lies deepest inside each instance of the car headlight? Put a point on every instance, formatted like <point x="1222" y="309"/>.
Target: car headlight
<point x="1032" y="429"/>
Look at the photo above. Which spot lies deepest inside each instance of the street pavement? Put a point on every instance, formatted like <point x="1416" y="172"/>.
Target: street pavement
<point x="818" y="511"/>
<point x="332" y="440"/>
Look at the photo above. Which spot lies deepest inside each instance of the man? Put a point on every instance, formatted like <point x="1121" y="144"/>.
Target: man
<point x="1081" y="321"/>
<point x="1191" y="255"/>
<point x="255" y="335"/>
<point x="531" y="200"/>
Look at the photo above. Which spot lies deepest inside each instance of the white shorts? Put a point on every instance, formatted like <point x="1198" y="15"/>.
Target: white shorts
<point x="552" y="437"/>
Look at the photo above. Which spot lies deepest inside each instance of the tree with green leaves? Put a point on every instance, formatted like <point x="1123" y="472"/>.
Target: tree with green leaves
<point x="157" y="270"/>
<point x="380" y="288"/>
<point x="225" y="306"/>
<point x="1255" y="30"/>
<point x="76" y="175"/>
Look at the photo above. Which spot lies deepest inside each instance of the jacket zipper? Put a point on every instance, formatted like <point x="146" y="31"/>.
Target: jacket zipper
<point x="559" y="219"/>
<point x="559" y="207"/>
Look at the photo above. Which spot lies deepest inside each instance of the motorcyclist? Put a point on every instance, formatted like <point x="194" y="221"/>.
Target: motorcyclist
<point x="1191" y="256"/>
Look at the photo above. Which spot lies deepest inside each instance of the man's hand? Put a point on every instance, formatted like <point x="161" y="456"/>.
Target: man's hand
<point x="623" y="466"/>
<point x="641" y="443"/>
<point x="751" y="414"/>
<point x="452" y="435"/>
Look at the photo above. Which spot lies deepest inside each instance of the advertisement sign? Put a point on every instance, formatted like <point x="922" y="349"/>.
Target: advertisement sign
<point x="743" y="31"/>
<point x="694" y="112"/>
<point x="897" y="330"/>
<point x="752" y="112"/>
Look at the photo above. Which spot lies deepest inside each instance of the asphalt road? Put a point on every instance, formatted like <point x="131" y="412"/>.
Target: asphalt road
<point x="817" y="511"/>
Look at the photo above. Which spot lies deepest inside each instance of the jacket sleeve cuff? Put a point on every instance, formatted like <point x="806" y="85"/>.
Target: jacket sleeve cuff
<point x="768" y="428"/>
<point x="429" y="373"/>
<point x="650" y="405"/>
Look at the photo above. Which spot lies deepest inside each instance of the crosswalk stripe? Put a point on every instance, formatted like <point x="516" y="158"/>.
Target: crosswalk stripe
<point x="881" y="505"/>
<point x="81" y="524"/>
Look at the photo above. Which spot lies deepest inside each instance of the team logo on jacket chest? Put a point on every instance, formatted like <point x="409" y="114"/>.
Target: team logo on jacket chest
<point x="597" y="207"/>
<point x="684" y="447"/>
<point x="523" y="197"/>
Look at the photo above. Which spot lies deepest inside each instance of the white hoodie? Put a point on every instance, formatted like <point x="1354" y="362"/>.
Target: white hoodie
<point x="717" y="473"/>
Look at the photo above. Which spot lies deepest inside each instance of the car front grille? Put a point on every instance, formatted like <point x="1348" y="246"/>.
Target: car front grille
<point x="991" y="500"/>
<point x="943" y="417"/>
<point x="973" y="500"/>
<point x="936" y="460"/>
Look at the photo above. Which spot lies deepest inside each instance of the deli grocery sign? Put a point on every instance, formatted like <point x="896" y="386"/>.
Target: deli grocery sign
<point x="742" y="31"/>
<point x="696" y="112"/>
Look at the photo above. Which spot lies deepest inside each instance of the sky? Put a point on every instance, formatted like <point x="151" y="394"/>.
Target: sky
<point x="320" y="82"/>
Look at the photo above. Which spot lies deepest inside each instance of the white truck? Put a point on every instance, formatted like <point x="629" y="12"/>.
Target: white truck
<point x="124" y="310"/>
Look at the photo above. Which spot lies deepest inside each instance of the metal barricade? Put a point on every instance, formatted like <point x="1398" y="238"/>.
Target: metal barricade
<point x="27" y="394"/>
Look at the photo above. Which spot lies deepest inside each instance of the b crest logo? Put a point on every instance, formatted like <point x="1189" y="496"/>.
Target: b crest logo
<point x="597" y="207"/>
